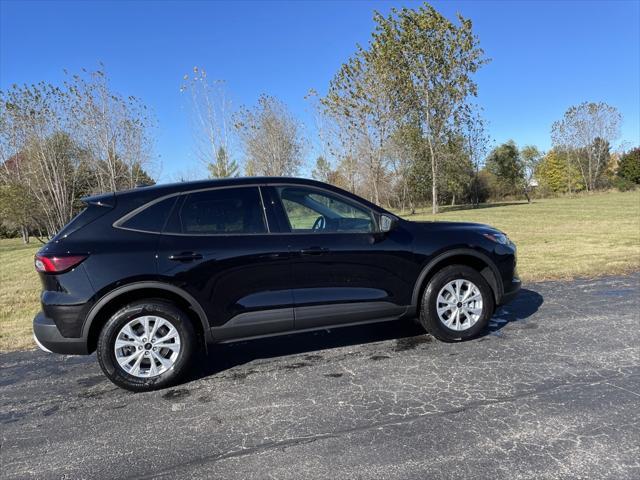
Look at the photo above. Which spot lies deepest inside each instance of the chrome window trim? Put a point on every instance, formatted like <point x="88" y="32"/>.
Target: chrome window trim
<point x="118" y="223"/>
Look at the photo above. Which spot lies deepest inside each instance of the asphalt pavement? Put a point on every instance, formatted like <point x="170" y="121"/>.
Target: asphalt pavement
<point x="552" y="391"/>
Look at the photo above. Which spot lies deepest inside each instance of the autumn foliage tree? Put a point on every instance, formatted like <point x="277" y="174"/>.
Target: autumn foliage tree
<point x="271" y="137"/>
<point x="557" y="175"/>
<point x="431" y="61"/>
<point x="58" y="143"/>
<point x="415" y="76"/>
<point x="585" y="133"/>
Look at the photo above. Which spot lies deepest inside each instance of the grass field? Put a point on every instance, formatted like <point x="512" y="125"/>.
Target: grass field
<point x="565" y="237"/>
<point x="557" y="238"/>
<point x="19" y="292"/>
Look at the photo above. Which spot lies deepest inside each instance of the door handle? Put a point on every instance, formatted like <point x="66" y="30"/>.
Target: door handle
<point x="185" y="257"/>
<point x="314" y="251"/>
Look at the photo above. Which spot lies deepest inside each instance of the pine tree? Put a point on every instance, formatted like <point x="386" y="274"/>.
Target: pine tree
<point x="223" y="166"/>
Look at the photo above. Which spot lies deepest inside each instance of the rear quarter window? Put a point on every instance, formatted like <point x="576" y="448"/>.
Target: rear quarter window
<point x="151" y="218"/>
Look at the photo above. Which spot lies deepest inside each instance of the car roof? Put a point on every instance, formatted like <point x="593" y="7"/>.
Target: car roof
<point x="160" y="190"/>
<point x="221" y="182"/>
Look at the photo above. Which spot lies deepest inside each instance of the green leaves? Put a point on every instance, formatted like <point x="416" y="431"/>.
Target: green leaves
<point x="506" y="164"/>
<point x="416" y="70"/>
<point x="629" y="166"/>
<point x="583" y="131"/>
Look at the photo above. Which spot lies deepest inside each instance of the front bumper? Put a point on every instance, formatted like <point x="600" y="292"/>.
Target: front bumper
<point x="511" y="290"/>
<point x="48" y="338"/>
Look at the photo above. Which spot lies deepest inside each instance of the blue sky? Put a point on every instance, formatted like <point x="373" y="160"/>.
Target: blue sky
<point x="546" y="56"/>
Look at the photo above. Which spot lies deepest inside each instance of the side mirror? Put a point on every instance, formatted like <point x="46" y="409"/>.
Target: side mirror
<point x="387" y="223"/>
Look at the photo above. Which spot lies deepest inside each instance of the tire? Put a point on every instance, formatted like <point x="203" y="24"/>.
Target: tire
<point x="171" y="358"/>
<point x="462" y="327"/>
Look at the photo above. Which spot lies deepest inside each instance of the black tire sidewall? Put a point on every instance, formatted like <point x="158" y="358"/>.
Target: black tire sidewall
<point x="429" y="315"/>
<point x="106" y="340"/>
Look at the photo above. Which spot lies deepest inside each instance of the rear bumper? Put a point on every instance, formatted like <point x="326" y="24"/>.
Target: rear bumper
<point x="48" y="338"/>
<point x="511" y="290"/>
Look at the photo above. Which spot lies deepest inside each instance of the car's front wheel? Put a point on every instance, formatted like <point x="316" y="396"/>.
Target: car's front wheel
<point x="146" y="345"/>
<point x="457" y="304"/>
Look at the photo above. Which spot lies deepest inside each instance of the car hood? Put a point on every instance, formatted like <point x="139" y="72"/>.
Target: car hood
<point x="438" y="225"/>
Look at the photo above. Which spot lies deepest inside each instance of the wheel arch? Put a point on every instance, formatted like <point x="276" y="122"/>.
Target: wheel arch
<point x="464" y="256"/>
<point x="116" y="299"/>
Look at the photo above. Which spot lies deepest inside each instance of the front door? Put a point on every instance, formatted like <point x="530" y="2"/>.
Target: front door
<point x="216" y="246"/>
<point x="344" y="270"/>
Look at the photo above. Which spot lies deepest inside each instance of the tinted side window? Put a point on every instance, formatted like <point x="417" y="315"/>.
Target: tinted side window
<point x="152" y="218"/>
<point x="310" y="210"/>
<point x="226" y="210"/>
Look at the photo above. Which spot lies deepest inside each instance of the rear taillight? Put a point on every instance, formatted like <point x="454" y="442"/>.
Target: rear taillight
<point x="57" y="263"/>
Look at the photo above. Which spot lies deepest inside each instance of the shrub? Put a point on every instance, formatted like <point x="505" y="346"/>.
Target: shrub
<point x="622" y="184"/>
<point x="629" y="166"/>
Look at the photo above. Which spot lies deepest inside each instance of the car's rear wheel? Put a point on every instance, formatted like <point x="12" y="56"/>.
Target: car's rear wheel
<point x="457" y="304"/>
<point x="146" y="345"/>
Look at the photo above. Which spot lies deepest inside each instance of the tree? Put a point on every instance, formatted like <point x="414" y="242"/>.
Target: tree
<point x="558" y="175"/>
<point x="322" y="170"/>
<point x="272" y="138"/>
<point x="405" y="150"/>
<point x="629" y="166"/>
<point x="43" y="158"/>
<point x="504" y="162"/>
<point x="457" y="170"/>
<point x="113" y="129"/>
<point x="476" y="142"/>
<point x="530" y="157"/>
<point x="359" y="99"/>
<point x="222" y="167"/>
<point x="585" y="133"/>
<point x="17" y="208"/>
<point x="210" y="117"/>
<point x="60" y="143"/>
<point x="430" y="61"/>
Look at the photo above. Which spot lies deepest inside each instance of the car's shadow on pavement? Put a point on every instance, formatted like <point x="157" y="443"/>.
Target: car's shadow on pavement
<point x="407" y="335"/>
<point x="521" y="308"/>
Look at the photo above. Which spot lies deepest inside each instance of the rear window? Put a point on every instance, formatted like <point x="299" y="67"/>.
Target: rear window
<point x="222" y="211"/>
<point x="152" y="218"/>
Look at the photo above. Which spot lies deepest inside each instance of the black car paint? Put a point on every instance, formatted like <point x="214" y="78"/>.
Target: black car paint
<point x="248" y="285"/>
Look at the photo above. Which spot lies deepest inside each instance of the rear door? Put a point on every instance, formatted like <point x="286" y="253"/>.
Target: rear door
<point x="344" y="270"/>
<point x="216" y="246"/>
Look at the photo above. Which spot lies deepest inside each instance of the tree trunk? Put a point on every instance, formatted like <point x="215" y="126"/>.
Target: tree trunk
<point x="434" y="184"/>
<point x="475" y="188"/>
<point x="434" y="200"/>
<point x="434" y="178"/>
<point x="526" y="194"/>
<point x="25" y="234"/>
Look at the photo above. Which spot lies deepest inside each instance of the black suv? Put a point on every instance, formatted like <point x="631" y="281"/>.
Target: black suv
<point x="148" y="276"/>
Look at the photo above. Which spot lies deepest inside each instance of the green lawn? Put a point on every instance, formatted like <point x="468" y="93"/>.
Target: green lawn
<point x="558" y="238"/>
<point x="19" y="293"/>
<point x="565" y="237"/>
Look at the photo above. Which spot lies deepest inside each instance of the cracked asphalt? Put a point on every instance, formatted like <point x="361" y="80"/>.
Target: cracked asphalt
<point x="552" y="391"/>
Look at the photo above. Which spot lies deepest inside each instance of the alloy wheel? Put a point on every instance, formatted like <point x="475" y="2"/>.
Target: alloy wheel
<point x="147" y="346"/>
<point x="459" y="304"/>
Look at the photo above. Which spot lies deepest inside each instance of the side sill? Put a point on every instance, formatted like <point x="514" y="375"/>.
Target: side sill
<point x="312" y="329"/>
